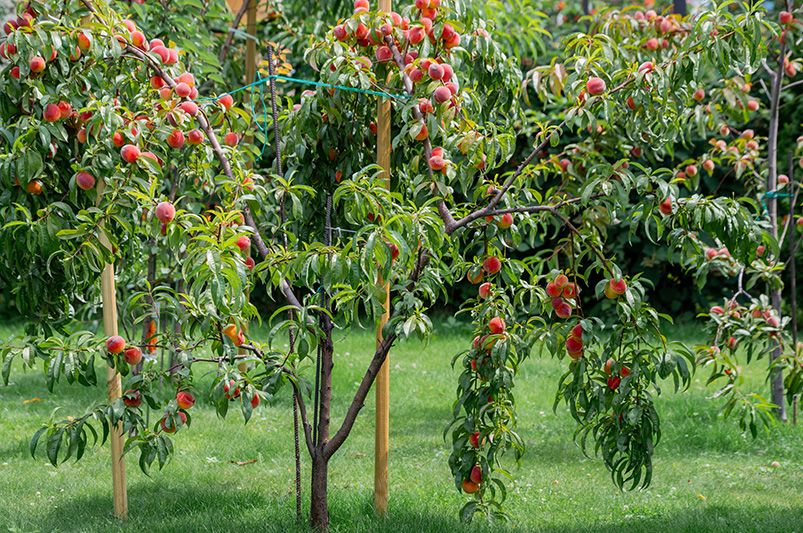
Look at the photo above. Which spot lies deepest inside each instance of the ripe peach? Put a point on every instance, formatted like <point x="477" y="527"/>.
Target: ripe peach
<point x="698" y="95"/>
<point x="15" y="72"/>
<point x="383" y="54"/>
<point x="752" y="105"/>
<point x="476" y="474"/>
<point x="34" y="187"/>
<point x="84" y="180"/>
<point x="226" y="101"/>
<point x="666" y="206"/>
<point x="255" y="401"/>
<point x="561" y="280"/>
<point x="37" y="64"/>
<point x="613" y="382"/>
<point x="785" y="17"/>
<point x="130" y="153"/>
<point x="51" y="113"/>
<point x="195" y="137"/>
<point x="171" y="426"/>
<point x="250" y="263"/>
<point x="185" y="400"/>
<point x="783" y="179"/>
<point x="618" y="286"/>
<point x="485" y="290"/>
<point x="760" y="249"/>
<point x="563" y="310"/>
<point x="132" y="398"/>
<point x="138" y="40"/>
<point x="340" y="32"/>
<point x="492" y="265"/>
<point x="437" y="163"/>
<point x="115" y="344"/>
<point x="243" y="243"/>
<point x="132" y="355"/>
<point x="176" y="139"/>
<point x="553" y="290"/>
<point x="651" y="44"/>
<point x="573" y="344"/>
<point x="83" y="41"/>
<point x="474" y="439"/>
<point x="442" y="94"/>
<point x="469" y="487"/>
<point x="165" y="212"/>
<point x="496" y="325"/>
<point x="191" y="108"/>
<point x="595" y="86"/>
<point x="645" y="68"/>
<point x="570" y="290"/>
<point x="231" y="139"/>
<point x="231" y="390"/>
<point x="505" y="221"/>
<point x="708" y="166"/>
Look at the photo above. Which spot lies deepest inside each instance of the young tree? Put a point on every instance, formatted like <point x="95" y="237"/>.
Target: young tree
<point x="327" y="230"/>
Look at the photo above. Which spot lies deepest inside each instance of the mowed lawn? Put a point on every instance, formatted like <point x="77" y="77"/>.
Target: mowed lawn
<point x="708" y="477"/>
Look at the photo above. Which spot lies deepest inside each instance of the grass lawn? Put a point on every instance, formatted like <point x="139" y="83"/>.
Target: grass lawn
<point x="708" y="477"/>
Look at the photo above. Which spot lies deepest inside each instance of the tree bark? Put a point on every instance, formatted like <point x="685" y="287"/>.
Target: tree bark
<point x="319" y="502"/>
<point x="776" y="376"/>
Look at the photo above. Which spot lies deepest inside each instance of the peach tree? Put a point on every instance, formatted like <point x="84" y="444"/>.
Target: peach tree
<point x="88" y="99"/>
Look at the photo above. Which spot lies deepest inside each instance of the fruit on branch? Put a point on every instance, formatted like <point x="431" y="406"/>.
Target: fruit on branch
<point x="476" y="474"/>
<point x="243" y="243"/>
<point x="505" y="221"/>
<point x="666" y="206"/>
<point x="492" y="265"/>
<point x="574" y="347"/>
<point x="132" y="398"/>
<point x="645" y="68"/>
<point x="255" y="401"/>
<point x="195" y="137"/>
<point x="553" y="290"/>
<point x="84" y="180"/>
<point x="595" y="86"/>
<point x="171" y="426"/>
<point x="130" y="153"/>
<point x="250" y="263"/>
<point x="485" y="290"/>
<point x="37" y="64"/>
<point x="132" y="355"/>
<point x="699" y="95"/>
<point x="783" y="179"/>
<point x="227" y="101"/>
<point x="231" y="390"/>
<point x="185" y="400"/>
<point x="716" y="310"/>
<point x="785" y="17"/>
<point x="561" y="307"/>
<point x="497" y="325"/>
<point x="165" y="212"/>
<point x="437" y="163"/>
<point x="115" y="344"/>
<point x="752" y="105"/>
<point x="237" y="337"/>
<point x="176" y="139"/>
<point x="691" y="170"/>
<point x="383" y="54"/>
<point x="83" y="42"/>
<point x="474" y="439"/>
<point x="442" y="95"/>
<point x="613" y="382"/>
<point x="708" y="166"/>
<point x="469" y="487"/>
<point x="615" y="288"/>
<point x="231" y="139"/>
<point x="51" y="113"/>
<point x="474" y="275"/>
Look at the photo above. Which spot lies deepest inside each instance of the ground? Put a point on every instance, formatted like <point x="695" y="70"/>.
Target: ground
<point x="708" y="476"/>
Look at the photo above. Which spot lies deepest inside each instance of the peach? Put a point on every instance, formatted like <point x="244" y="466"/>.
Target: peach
<point x="785" y="17"/>
<point x="231" y="139"/>
<point x="469" y="487"/>
<point x="243" y="243"/>
<point x="227" y="101"/>
<point x="476" y="474"/>
<point x="553" y="290"/>
<point x="130" y="153"/>
<point x="496" y="325"/>
<point x="698" y="95"/>
<point x="132" y="355"/>
<point x="595" y="86"/>
<point x="666" y="206"/>
<point x="165" y="212"/>
<point x="563" y="310"/>
<point x="83" y="41"/>
<point x="485" y="290"/>
<point x="340" y="32"/>
<point x="84" y="180"/>
<point x="505" y="221"/>
<point x="51" y="113"/>
<point x="613" y="382"/>
<point x="561" y="280"/>
<point x="115" y="344"/>
<point x="570" y="290"/>
<point x="383" y="54"/>
<point x="652" y="44"/>
<point x="195" y="137"/>
<point x="171" y="426"/>
<point x="250" y="263"/>
<point x="618" y="286"/>
<point x="185" y="400"/>
<point x="573" y="344"/>
<point x="132" y="398"/>
<point x="34" y="187"/>
<point x="442" y="95"/>
<point x="191" y="108"/>
<point x="492" y="265"/>
<point x="231" y="390"/>
<point x="437" y="162"/>
<point x="752" y="105"/>
<point x="708" y="166"/>
<point x="37" y="64"/>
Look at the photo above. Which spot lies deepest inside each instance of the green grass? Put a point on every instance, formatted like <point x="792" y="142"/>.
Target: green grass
<point x="708" y="477"/>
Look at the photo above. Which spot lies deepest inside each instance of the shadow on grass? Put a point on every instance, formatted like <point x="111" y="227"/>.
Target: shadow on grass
<point x="161" y="507"/>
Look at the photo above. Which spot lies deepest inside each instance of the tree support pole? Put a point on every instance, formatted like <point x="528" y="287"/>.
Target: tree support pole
<point x="382" y="425"/>
<point x="109" y="298"/>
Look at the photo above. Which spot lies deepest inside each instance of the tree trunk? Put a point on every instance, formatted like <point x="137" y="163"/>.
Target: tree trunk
<point x="319" y="503"/>
<point x="776" y="376"/>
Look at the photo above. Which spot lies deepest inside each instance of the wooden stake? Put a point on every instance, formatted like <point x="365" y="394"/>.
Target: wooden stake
<point x="383" y="378"/>
<point x="250" y="73"/>
<point x="109" y="297"/>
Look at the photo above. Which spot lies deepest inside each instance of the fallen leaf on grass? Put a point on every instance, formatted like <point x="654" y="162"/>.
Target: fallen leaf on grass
<point x="32" y="400"/>
<point x="243" y="463"/>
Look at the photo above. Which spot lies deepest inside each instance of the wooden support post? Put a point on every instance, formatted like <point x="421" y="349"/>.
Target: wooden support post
<point x="109" y="297"/>
<point x="383" y="142"/>
<point x="250" y="73"/>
